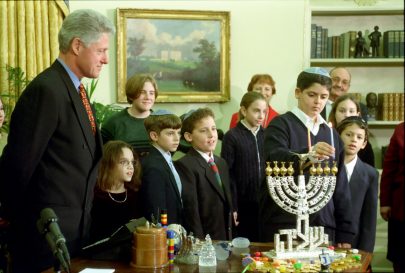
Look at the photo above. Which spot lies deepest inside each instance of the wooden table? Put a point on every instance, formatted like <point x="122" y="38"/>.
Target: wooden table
<point x="232" y="264"/>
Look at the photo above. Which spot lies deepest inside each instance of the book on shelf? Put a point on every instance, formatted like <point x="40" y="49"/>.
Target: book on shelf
<point x="330" y="47"/>
<point x="313" y="40"/>
<point x="352" y="48"/>
<point x="324" y="42"/>
<point x="391" y="106"/>
<point x="318" y="45"/>
<point x="393" y="43"/>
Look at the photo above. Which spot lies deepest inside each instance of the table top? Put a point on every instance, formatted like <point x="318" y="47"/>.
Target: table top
<point x="232" y="264"/>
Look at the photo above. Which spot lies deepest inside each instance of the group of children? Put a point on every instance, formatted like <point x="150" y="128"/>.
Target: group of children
<point x="227" y="196"/>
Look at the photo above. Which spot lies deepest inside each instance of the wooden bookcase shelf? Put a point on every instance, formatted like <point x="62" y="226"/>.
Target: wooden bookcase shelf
<point x="383" y="124"/>
<point x="363" y="62"/>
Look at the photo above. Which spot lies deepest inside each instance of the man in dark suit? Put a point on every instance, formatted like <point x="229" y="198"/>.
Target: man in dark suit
<point x="341" y="79"/>
<point x="54" y="146"/>
<point x="161" y="184"/>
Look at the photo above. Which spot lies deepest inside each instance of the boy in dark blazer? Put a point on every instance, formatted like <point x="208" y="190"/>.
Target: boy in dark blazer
<point x="363" y="181"/>
<point x="161" y="185"/>
<point x="206" y="190"/>
<point x="303" y="130"/>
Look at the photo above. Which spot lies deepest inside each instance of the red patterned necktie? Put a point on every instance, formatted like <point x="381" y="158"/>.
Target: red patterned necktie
<point x="86" y="104"/>
<point x="214" y="167"/>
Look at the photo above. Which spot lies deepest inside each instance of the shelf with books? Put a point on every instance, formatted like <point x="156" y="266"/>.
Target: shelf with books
<point x="382" y="123"/>
<point x="381" y="74"/>
<point x="336" y="33"/>
<point x="390" y="62"/>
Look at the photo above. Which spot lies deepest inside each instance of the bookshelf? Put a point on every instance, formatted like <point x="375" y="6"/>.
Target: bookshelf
<point x="383" y="124"/>
<point x="349" y="62"/>
<point x="379" y="74"/>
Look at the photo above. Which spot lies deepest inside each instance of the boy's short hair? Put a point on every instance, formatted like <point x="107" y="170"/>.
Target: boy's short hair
<point x="134" y="86"/>
<point x="306" y="79"/>
<point x="353" y="120"/>
<point x="192" y="117"/>
<point x="157" y="123"/>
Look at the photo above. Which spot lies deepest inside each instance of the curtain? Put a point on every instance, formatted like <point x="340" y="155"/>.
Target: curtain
<point x="28" y="39"/>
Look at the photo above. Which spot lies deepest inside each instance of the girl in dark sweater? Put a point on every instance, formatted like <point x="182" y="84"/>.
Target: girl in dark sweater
<point x="116" y="198"/>
<point x="242" y="148"/>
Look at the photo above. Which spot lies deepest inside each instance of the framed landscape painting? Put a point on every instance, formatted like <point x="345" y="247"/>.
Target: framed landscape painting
<point x="187" y="52"/>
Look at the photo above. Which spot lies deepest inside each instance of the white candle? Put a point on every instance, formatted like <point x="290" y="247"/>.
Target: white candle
<point x="331" y="139"/>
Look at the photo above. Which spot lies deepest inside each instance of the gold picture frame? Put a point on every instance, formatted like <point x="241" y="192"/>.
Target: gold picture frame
<point x="187" y="51"/>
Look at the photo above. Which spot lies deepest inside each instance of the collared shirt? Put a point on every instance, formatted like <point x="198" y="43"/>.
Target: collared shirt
<point x="309" y="122"/>
<point x="350" y="167"/>
<point x="168" y="157"/>
<point x="73" y="77"/>
<point x="205" y="156"/>
<point x="247" y="126"/>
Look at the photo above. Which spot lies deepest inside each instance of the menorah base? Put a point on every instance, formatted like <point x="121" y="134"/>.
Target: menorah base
<point x="301" y="254"/>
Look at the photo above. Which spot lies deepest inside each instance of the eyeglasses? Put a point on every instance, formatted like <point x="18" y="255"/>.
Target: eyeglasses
<point x="337" y="80"/>
<point x="127" y="163"/>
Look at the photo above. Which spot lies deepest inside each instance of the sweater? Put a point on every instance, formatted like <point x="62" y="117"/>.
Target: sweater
<point x="123" y="126"/>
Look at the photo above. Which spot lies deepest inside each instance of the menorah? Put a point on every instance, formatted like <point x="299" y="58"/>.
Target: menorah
<point x="301" y="199"/>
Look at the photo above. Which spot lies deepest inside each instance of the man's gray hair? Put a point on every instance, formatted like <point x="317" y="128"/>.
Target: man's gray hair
<point x="85" y="24"/>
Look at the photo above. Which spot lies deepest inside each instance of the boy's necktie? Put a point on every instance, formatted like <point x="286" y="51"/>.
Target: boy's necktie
<point x="214" y="167"/>
<point x="85" y="101"/>
<point x="176" y="175"/>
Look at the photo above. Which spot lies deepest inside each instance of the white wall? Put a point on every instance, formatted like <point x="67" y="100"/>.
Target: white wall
<point x="266" y="37"/>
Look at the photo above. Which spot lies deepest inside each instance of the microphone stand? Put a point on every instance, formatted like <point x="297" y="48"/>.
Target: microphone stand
<point x="58" y="248"/>
<point x="56" y="266"/>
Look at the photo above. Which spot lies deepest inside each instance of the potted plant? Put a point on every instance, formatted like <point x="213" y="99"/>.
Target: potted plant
<point x="17" y="81"/>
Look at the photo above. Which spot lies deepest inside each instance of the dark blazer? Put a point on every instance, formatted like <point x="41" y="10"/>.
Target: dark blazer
<point x="207" y="208"/>
<point x="159" y="189"/>
<point x="364" y="192"/>
<point x="50" y="161"/>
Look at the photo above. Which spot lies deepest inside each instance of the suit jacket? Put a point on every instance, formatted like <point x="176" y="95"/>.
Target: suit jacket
<point x="50" y="161"/>
<point x="159" y="189"/>
<point x="364" y="192"/>
<point x="207" y="208"/>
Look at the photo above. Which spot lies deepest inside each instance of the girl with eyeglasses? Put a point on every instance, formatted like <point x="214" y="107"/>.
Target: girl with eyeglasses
<point x="116" y="199"/>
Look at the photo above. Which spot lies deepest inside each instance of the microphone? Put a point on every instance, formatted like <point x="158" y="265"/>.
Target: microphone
<point x="48" y="226"/>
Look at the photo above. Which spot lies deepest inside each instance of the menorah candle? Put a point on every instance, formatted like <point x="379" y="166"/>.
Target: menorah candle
<point x="331" y="139"/>
<point x="309" y="140"/>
